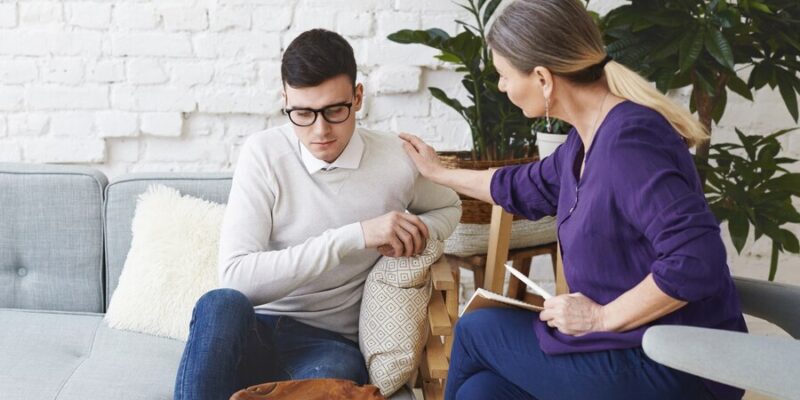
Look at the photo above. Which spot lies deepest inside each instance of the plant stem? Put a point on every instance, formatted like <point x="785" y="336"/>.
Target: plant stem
<point x="482" y="149"/>
<point x="704" y="106"/>
<point x="773" y="262"/>
<point x="480" y="30"/>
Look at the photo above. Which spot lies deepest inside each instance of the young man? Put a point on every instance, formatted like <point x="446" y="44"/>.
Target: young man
<point x="313" y="205"/>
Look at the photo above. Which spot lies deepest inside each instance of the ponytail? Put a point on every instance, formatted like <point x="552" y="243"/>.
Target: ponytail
<point x="629" y="85"/>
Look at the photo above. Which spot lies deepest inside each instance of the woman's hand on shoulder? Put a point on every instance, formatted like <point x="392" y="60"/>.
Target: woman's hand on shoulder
<point x="573" y="314"/>
<point x="423" y="156"/>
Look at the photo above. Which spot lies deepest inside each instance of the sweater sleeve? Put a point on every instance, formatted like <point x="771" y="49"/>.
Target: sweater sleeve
<point x="437" y="206"/>
<point x="245" y="264"/>
<point x="658" y="192"/>
<point x="530" y="190"/>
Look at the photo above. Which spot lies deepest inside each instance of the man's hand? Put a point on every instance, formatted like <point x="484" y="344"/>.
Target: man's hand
<point x="396" y="234"/>
<point x="573" y="314"/>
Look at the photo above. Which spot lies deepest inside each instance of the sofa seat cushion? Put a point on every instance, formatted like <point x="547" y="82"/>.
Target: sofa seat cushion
<point x="65" y="356"/>
<point x="75" y="356"/>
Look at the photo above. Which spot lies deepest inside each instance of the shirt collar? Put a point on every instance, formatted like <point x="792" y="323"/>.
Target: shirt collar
<point x="349" y="159"/>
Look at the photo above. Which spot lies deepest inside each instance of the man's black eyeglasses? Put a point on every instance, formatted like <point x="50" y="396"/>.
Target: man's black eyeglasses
<point x="334" y="114"/>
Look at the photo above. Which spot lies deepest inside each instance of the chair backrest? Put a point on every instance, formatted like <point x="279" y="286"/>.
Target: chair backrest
<point x="51" y="237"/>
<point x="121" y="197"/>
<point x="777" y="303"/>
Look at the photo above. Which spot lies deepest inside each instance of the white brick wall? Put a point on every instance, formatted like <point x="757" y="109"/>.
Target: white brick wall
<point x="146" y="85"/>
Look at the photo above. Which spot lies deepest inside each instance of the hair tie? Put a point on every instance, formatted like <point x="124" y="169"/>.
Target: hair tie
<point x="605" y="61"/>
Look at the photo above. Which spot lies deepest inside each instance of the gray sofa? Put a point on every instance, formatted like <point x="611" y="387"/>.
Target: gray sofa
<point x="64" y="235"/>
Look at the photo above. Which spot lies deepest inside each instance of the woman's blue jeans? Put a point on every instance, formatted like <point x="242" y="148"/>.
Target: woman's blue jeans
<point x="230" y="347"/>
<point x="496" y="355"/>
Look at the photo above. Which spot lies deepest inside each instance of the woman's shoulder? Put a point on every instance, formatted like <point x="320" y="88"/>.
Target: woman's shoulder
<point x="632" y="121"/>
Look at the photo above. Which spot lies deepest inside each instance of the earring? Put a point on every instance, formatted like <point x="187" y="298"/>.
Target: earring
<point x="547" y="113"/>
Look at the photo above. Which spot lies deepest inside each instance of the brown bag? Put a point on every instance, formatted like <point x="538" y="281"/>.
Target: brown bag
<point x="310" y="389"/>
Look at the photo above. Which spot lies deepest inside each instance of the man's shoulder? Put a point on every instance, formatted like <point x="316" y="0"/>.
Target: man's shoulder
<point x="385" y="146"/>
<point x="379" y="136"/>
<point x="270" y="143"/>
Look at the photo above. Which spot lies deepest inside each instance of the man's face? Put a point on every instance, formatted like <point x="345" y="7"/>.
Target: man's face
<point x="323" y="139"/>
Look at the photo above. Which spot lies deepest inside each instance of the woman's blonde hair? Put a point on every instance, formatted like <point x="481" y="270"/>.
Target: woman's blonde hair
<point x="561" y="36"/>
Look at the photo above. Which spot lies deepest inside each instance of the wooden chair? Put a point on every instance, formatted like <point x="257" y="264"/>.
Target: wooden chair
<point x="443" y="307"/>
<point x="498" y="253"/>
<point x="442" y="315"/>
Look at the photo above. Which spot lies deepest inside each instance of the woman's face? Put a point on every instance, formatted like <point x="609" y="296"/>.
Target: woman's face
<point x="525" y="90"/>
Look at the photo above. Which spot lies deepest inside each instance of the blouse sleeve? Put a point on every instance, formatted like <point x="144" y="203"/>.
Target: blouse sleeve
<point x="658" y="192"/>
<point x="530" y="190"/>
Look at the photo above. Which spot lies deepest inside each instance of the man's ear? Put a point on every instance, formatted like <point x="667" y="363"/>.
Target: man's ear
<point x="358" y="97"/>
<point x="544" y="79"/>
<point x="283" y="98"/>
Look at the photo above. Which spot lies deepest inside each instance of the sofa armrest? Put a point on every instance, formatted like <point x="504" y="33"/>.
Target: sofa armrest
<point x="777" y="303"/>
<point x="760" y="363"/>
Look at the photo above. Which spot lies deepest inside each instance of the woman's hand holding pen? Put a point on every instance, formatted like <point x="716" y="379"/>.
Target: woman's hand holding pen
<point x="573" y="314"/>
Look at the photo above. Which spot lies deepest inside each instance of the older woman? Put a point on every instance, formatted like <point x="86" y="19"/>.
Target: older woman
<point x="640" y="245"/>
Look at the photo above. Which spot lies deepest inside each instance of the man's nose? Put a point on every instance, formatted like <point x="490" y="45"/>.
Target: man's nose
<point x="320" y="126"/>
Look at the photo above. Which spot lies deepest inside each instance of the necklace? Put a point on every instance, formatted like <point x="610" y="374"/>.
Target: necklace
<point x="593" y="131"/>
<point x="599" y="113"/>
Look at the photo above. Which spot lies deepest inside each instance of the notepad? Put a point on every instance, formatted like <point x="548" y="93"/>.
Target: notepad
<point x="483" y="298"/>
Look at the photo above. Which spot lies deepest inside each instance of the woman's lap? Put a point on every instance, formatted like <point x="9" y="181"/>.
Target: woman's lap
<point x="502" y="341"/>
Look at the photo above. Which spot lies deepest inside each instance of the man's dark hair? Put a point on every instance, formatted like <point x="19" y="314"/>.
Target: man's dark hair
<point x="316" y="56"/>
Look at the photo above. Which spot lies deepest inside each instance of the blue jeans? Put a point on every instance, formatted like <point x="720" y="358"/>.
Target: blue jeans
<point x="230" y="347"/>
<point x="496" y="355"/>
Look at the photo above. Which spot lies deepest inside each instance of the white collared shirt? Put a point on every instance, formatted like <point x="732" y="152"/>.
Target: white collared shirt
<point x="349" y="159"/>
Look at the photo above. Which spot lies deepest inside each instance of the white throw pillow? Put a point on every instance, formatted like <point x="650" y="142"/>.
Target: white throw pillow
<point x="392" y="328"/>
<point x="171" y="263"/>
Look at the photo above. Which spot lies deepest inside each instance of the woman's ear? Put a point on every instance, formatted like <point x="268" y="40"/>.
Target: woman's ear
<point x="358" y="97"/>
<point x="544" y="79"/>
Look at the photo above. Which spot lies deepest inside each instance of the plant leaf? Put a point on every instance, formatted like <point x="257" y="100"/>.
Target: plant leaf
<point x="786" y="87"/>
<point x="739" y="227"/>
<point x="738" y="86"/>
<point x="719" y="48"/>
<point x="490" y="9"/>
<point x="789" y="241"/>
<point x="691" y="46"/>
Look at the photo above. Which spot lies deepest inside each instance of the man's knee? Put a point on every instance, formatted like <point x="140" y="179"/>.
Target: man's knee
<point x="340" y="362"/>
<point x="223" y="300"/>
<point x="223" y="306"/>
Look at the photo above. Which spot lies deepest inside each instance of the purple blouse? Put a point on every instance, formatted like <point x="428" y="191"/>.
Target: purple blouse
<point x="638" y="209"/>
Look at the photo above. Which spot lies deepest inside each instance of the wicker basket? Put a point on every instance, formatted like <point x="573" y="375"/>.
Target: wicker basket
<point x="476" y="211"/>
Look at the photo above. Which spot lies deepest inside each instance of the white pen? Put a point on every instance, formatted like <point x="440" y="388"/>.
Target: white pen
<point x="536" y="288"/>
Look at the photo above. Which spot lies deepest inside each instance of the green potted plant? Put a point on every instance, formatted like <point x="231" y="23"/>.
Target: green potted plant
<point x="748" y="185"/>
<point x="499" y="129"/>
<point x="706" y="44"/>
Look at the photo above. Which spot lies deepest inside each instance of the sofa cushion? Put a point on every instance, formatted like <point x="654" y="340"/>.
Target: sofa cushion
<point x="66" y="356"/>
<point x="121" y="196"/>
<point x="51" y="237"/>
<point x="75" y="356"/>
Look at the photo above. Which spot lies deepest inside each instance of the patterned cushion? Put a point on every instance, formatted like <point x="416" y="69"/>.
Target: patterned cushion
<point x="394" y="309"/>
